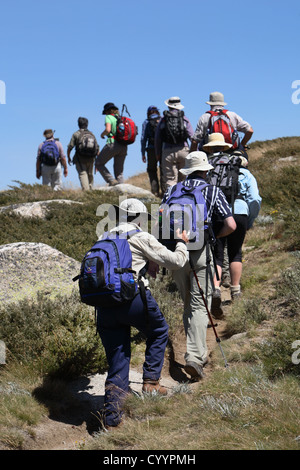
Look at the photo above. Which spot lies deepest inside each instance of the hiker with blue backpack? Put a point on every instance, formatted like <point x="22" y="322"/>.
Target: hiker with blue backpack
<point x="214" y="211"/>
<point x="218" y="119"/>
<point x="231" y="174"/>
<point x="50" y="160"/>
<point x="113" y="280"/>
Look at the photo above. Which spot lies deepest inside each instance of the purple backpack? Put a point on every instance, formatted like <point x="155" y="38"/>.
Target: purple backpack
<point x="185" y="208"/>
<point x="106" y="275"/>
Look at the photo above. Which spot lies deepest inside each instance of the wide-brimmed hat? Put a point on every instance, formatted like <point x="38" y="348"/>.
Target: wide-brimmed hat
<point x="216" y="98"/>
<point x="174" y="102"/>
<point x="108" y="106"/>
<point x="132" y="208"/>
<point x="216" y="140"/>
<point x="196" y="161"/>
<point x="48" y="133"/>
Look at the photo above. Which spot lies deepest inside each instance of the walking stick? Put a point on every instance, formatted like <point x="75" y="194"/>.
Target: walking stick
<point x="208" y="313"/>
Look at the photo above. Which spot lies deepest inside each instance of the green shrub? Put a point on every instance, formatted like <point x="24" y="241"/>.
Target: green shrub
<point x="58" y="337"/>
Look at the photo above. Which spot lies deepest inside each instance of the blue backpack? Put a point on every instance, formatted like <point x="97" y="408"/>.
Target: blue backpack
<point x="184" y="208"/>
<point x="106" y="275"/>
<point x="49" y="153"/>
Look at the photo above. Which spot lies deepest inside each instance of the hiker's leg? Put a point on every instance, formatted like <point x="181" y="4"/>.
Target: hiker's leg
<point x="57" y="178"/>
<point x="106" y="154"/>
<point x="116" y="341"/>
<point x="169" y="171"/>
<point x="82" y="174"/>
<point x="46" y="175"/>
<point x="198" y="318"/>
<point x="152" y="170"/>
<point x="90" y="172"/>
<point x="154" y="326"/>
<point x="235" y="243"/>
<point x="119" y="159"/>
<point x="219" y="256"/>
<point x="182" y="279"/>
<point x="180" y="162"/>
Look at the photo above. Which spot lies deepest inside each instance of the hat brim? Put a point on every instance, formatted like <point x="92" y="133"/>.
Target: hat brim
<point x="119" y="211"/>
<point x="174" y="106"/>
<point x="189" y="171"/>
<point x="219" y="143"/>
<point x="218" y="103"/>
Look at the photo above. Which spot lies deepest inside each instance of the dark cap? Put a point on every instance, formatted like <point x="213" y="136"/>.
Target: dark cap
<point x="108" y="106"/>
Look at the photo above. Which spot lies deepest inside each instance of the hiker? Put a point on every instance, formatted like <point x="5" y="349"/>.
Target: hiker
<point x="205" y="127"/>
<point x="114" y="323"/>
<point x="245" y="209"/>
<point x="86" y="149"/>
<point x="112" y="149"/>
<point x="195" y="317"/>
<point x="171" y="142"/>
<point x="147" y="146"/>
<point x="49" y="162"/>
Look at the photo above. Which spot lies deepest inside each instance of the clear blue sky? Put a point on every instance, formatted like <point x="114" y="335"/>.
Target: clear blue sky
<point x="64" y="59"/>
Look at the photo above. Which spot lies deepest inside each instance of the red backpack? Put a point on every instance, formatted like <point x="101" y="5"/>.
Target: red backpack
<point x="220" y="122"/>
<point x="126" y="129"/>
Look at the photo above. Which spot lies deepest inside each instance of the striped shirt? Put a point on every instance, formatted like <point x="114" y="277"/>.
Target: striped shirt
<point x="216" y="203"/>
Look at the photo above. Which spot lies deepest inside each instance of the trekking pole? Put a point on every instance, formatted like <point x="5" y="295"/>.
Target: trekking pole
<point x="208" y="313"/>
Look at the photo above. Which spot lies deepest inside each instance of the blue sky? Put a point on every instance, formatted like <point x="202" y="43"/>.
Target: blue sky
<point x="64" y="59"/>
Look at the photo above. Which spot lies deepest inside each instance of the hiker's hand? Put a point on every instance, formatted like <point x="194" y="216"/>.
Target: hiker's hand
<point x="153" y="269"/>
<point x="65" y="172"/>
<point x="144" y="159"/>
<point x="182" y="235"/>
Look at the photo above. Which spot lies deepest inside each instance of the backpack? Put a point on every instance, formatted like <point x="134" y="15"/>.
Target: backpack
<point x="126" y="129"/>
<point x="49" y="153"/>
<point x="174" y="131"/>
<point x="220" y="122"/>
<point x="151" y="126"/>
<point x="106" y="276"/>
<point x="87" y="144"/>
<point x="184" y="208"/>
<point x="225" y="175"/>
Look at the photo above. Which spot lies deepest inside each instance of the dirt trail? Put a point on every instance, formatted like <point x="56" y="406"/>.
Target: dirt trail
<point x="70" y="428"/>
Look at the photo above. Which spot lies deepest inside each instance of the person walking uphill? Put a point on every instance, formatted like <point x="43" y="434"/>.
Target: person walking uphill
<point x="171" y="142"/>
<point x="86" y="149"/>
<point x="195" y="316"/>
<point x="114" y="323"/>
<point x="147" y="145"/>
<point x="49" y="161"/>
<point x="112" y="149"/>
<point x="220" y="120"/>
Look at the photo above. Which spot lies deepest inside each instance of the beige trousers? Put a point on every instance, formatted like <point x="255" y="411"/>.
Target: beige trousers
<point x="85" y="168"/>
<point x="172" y="160"/>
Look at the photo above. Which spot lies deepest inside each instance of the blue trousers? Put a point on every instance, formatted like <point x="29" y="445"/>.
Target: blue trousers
<point x="114" y="327"/>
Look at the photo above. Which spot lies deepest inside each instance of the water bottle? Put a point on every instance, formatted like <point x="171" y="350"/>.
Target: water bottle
<point x="121" y="128"/>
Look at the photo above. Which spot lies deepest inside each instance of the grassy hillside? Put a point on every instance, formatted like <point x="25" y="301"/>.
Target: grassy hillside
<point x="251" y="405"/>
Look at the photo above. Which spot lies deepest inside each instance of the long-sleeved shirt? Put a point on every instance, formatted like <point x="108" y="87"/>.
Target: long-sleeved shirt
<point x="145" y="247"/>
<point x="251" y="200"/>
<point x="158" y="140"/>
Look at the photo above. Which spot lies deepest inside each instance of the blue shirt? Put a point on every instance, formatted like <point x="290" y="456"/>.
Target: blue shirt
<point x="251" y="202"/>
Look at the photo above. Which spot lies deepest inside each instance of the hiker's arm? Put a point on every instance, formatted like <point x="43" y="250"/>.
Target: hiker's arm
<point x="64" y="164"/>
<point x="193" y="146"/>
<point x="38" y="168"/>
<point x="107" y="130"/>
<point x="228" y="227"/>
<point x="247" y="137"/>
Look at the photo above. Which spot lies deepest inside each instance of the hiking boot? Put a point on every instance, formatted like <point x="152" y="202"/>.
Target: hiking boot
<point x="113" y="183"/>
<point x="194" y="370"/>
<point x="216" y="304"/>
<point x="235" y="292"/>
<point x="152" y="386"/>
<point x="226" y="281"/>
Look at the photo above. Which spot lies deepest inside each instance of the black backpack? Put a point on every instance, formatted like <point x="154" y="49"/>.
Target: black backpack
<point x="225" y="175"/>
<point x="152" y="125"/>
<point x="174" y="131"/>
<point x="87" y="144"/>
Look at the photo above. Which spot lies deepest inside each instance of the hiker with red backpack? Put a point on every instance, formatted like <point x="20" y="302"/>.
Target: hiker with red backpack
<point x="218" y="119"/>
<point x="50" y="160"/>
<point x="172" y="142"/>
<point x="86" y="149"/>
<point x="120" y="132"/>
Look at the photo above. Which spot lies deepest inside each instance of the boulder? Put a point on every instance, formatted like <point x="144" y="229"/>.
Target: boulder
<point x="35" y="209"/>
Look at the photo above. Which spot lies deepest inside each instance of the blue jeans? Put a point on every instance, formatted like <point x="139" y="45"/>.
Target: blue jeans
<point x="114" y="330"/>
